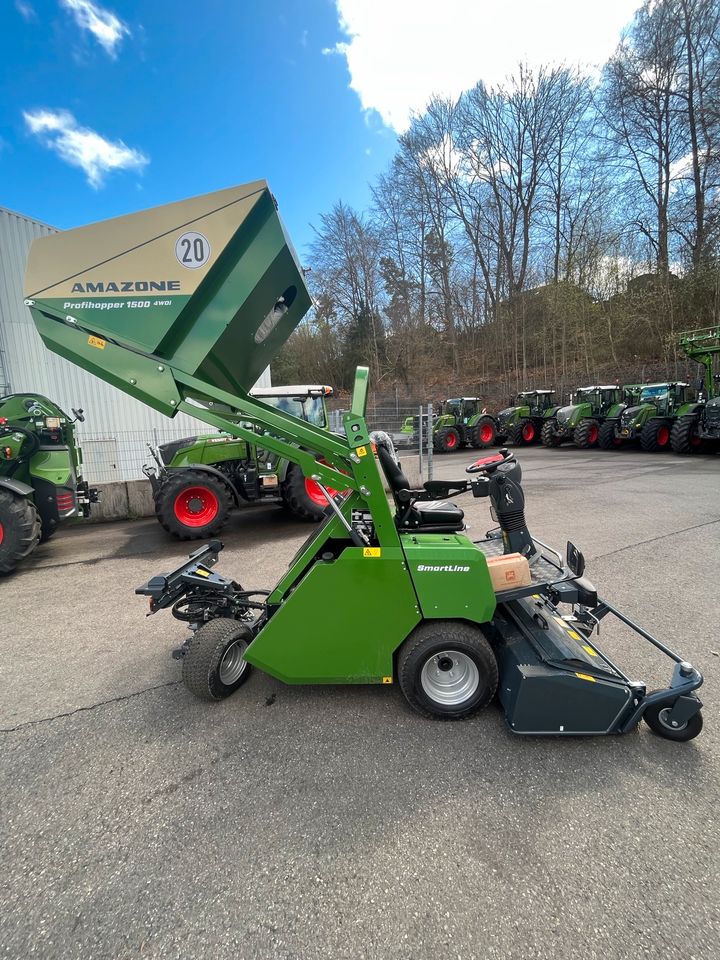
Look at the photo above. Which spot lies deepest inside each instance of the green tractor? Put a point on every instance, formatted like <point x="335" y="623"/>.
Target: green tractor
<point x="697" y="425"/>
<point x="521" y="423"/>
<point x="40" y="474"/>
<point x="580" y="421"/>
<point x="386" y="590"/>
<point x="463" y="422"/>
<point x="200" y="479"/>
<point x="649" y="421"/>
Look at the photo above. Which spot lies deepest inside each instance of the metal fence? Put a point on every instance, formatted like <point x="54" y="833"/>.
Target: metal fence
<point x="121" y="454"/>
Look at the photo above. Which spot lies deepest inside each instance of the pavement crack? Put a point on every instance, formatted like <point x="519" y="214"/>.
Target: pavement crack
<point x="664" y="536"/>
<point x="90" y="706"/>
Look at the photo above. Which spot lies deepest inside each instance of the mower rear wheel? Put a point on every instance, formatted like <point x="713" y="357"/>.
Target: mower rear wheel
<point x="656" y="718"/>
<point x="654" y="436"/>
<point x="302" y="496"/>
<point x="683" y="436"/>
<point x="193" y="504"/>
<point x="548" y="434"/>
<point x="213" y="666"/>
<point x="446" y="440"/>
<point x="447" y="670"/>
<point x="607" y="439"/>
<point x="524" y="433"/>
<point x="19" y="529"/>
<point x="586" y="434"/>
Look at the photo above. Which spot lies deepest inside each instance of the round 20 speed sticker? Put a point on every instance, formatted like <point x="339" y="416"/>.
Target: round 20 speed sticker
<point x="192" y="250"/>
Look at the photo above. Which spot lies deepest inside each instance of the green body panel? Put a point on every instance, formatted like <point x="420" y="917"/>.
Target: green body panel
<point x="689" y="408"/>
<point x="575" y="413"/>
<point x="551" y="412"/>
<point x="53" y="466"/>
<point x="458" y="584"/>
<point x="319" y="636"/>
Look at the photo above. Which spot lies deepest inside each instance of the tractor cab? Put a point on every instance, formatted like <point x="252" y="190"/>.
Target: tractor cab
<point x="664" y="397"/>
<point x="460" y="410"/>
<point x="537" y="400"/>
<point x="601" y="399"/>
<point x="304" y="402"/>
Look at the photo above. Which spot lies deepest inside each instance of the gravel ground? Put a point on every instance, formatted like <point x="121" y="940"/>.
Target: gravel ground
<point x="303" y="822"/>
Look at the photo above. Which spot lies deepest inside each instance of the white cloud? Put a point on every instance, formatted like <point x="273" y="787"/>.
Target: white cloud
<point x="81" y="147"/>
<point x="400" y="53"/>
<point x="26" y="10"/>
<point x="104" y="25"/>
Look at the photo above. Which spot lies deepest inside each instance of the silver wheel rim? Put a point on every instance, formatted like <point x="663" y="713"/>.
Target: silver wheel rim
<point x="450" y="677"/>
<point x="663" y="718"/>
<point x="232" y="665"/>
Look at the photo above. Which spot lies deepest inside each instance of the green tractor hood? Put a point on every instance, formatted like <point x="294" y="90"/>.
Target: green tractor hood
<point x="209" y="286"/>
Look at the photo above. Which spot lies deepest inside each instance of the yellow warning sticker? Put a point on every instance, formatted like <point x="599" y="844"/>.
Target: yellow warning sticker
<point x="585" y="676"/>
<point x="97" y="342"/>
<point x="361" y="451"/>
<point x="372" y="551"/>
<point x="587" y="649"/>
<point x="387" y="679"/>
<point x="575" y="636"/>
<point x="202" y="573"/>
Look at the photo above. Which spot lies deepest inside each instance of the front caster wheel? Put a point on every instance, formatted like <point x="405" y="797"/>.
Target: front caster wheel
<point x="214" y="666"/>
<point x="447" y="670"/>
<point x="657" y="716"/>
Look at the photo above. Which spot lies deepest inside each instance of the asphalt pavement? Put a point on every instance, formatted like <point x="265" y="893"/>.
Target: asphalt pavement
<point x="303" y="822"/>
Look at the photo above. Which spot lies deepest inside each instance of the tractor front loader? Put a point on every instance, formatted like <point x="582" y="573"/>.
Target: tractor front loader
<point x="41" y="481"/>
<point x="197" y="481"/>
<point x="386" y="589"/>
<point x="697" y="425"/>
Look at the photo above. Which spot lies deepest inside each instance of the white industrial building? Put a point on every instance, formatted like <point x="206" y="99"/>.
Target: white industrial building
<point x="117" y="427"/>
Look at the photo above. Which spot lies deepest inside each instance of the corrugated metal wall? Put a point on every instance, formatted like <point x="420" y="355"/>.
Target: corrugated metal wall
<point x="116" y="426"/>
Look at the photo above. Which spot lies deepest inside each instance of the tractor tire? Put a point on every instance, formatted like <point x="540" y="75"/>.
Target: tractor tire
<point x="192" y="504"/>
<point x="19" y="529"/>
<point x="302" y="496"/>
<point x="483" y="434"/>
<point x="446" y="440"/>
<point x="655" y="436"/>
<point x="524" y="433"/>
<point x="606" y="436"/>
<point x="447" y="670"/>
<point x="655" y="715"/>
<point x="586" y="434"/>
<point x="683" y="439"/>
<point x="213" y="665"/>
<point x="547" y="434"/>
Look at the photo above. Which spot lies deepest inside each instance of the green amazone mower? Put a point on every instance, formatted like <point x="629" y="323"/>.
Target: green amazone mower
<point x="386" y="589"/>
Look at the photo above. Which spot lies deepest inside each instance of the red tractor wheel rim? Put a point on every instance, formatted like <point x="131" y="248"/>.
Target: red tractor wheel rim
<point x="315" y="493"/>
<point x="663" y="435"/>
<point x="528" y="432"/>
<point x="196" y="506"/>
<point x="593" y="434"/>
<point x="486" y="433"/>
<point x="617" y="441"/>
<point x="451" y="441"/>
<point x="695" y="441"/>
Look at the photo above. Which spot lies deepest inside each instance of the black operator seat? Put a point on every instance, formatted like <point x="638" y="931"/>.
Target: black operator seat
<point x="430" y="516"/>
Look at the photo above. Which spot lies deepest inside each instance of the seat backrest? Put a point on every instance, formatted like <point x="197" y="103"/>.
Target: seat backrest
<point x="393" y="473"/>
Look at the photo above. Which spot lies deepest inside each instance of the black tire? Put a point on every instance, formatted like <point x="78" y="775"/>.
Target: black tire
<point x="48" y="529"/>
<point x="441" y="639"/>
<point x="169" y="508"/>
<point x="296" y="498"/>
<point x="205" y="659"/>
<point x="682" y="434"/>
<point x="19" y="529"/>
<point x="655" y="436"/>
<point x="524" y="433"/>
<point x="446" y="439"/>
<point x="586" y="434"/>
<point x="607" y="440"/>
<point x="548" y="434"/>
<point x="653" y="716"/>
<point x="483" y="433"/>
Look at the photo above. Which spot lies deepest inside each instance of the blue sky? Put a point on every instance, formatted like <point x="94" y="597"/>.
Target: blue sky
<point x="108" y="107"/>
